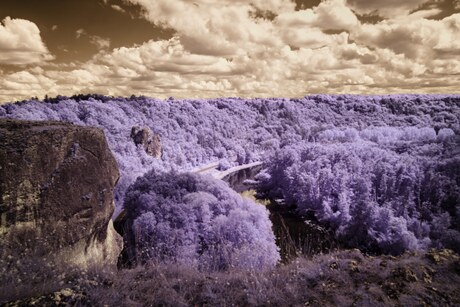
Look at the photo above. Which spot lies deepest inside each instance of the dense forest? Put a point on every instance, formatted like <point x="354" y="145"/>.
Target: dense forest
<point x="382" y="172"/>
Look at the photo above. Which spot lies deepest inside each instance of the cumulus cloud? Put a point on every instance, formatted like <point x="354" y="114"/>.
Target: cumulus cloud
<point x="25" y="84"/>
<point x="334" y="15"/>
<point x="221" y="28"/>
<point x="165" y="56"/>
<point x="21" y="43"/>
<point x="223" y="48"/>
<point x="415" y="38"/>
<point x="306" y="28"/>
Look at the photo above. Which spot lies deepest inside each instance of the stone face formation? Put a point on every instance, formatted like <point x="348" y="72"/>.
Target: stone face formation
<point x="56" y="192"/>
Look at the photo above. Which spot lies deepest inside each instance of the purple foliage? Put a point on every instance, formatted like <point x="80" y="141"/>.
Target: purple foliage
<point x="385" y="199"/>
<point x="386" y="176"/>
<point x="196" y="132"/>
<point x="196" y="220"/>
<point x="224" y="165"/>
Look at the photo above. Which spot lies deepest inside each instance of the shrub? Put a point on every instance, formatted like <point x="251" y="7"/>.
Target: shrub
<point x="195" y="220"/>
<point x="445" y="134"/>
<point x="224" y="165"/>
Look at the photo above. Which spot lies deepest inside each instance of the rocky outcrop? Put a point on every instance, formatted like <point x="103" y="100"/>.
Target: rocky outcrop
<point x="56" y="193"/>
<point x="150" y="141"/>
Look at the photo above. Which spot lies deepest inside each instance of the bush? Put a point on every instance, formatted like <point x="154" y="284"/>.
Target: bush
<point x="445" y="134"/>
<point x="195" y="220"/>
<point x="224" y="165"/>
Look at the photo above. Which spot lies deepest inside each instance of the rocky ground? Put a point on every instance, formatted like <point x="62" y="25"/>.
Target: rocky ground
<point x="342" y="278"/>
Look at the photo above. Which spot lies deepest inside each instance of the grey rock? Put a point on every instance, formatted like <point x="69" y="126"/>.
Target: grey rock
<point x="151" y="142"/>
<point x="56" y="193"/>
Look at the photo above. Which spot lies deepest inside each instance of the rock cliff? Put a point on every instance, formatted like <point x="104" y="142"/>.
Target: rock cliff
<point x="56" y="193"/>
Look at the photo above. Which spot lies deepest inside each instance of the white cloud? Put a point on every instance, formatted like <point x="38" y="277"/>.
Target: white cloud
<point x="24" y="84"/>
<point x="386" y="8"/>
<point x="422" y="14"/>
<point x="415" y="38"/>
<point x="79" y="33"/>
<point x="310" y="23"/>
<point x="21" y="43"/>
<point x="358" y="54"/>
<point x="165" y="56"/>
<point x="100" y="42"/>
<point x="312" y="38"/>
<point x="220" y="49"/>
<point x="216" y="28"/>
<point x="448" y="38"/>
<point x="117" y="8"/>
<point x="123" y="57"/>
<point x="335" y="15"/>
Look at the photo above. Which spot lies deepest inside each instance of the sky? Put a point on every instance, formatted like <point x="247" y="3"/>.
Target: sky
<point x="228" y="48"/>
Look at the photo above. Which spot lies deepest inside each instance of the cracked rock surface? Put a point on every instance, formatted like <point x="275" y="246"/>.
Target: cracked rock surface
<point x="56" y="193"/>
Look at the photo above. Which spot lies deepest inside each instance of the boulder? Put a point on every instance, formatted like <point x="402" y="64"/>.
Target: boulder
<point x="150" y="141"/>
<point x="56" y="193"/>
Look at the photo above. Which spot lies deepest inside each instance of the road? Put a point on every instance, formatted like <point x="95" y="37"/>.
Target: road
<point x="211" y="169"/>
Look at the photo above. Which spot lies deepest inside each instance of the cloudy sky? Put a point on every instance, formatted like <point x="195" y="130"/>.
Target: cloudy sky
<point x="215" y="48"/>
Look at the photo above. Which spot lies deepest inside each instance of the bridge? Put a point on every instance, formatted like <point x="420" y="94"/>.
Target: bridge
<point x="211" y="169"/>
<point x="234" y="176"/>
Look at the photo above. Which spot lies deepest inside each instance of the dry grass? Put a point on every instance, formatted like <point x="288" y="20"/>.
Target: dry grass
<point x="342" y="278"/>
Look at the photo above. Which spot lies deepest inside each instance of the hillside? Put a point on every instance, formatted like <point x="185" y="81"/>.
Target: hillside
<point x="377" y="173"/>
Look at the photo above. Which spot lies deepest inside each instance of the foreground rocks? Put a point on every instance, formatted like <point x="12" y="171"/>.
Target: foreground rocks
<point x="56" y="194"/>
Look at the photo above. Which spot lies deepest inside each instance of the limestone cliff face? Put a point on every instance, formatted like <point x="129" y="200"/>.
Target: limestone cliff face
<point x="56" y="192"/>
